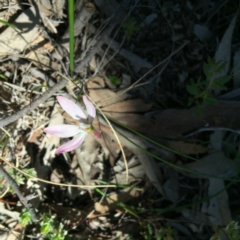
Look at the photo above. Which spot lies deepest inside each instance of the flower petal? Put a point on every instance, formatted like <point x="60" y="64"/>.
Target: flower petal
<point x="97" y="133"/>
<point x="91" y="110"/>
<point x="84" y="125"/>
<point x="63" y="130"/>
<point x="72" y="144"/>
<point x="71" y="108"/>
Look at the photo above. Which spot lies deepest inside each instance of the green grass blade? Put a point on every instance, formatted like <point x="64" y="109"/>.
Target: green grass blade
<point x="174" y="165"/>
<point x="71" y="34"/>
<point x="181" y="207"/>
<point x="154" y="142"/>
<point x="10" y="25"/>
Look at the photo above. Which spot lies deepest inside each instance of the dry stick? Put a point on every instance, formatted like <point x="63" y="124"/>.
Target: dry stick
<point x="15" y="187"/>
<point x="34" y="104"/>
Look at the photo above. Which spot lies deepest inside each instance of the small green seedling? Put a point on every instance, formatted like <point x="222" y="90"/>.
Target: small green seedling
<point x="200" y="89"/>
<point x="231" y="232"/>
<point x="130" y="26"/>
<point x="25" y="217"/>
<point x="114" y="80"/>
<point x="51" y="228"/>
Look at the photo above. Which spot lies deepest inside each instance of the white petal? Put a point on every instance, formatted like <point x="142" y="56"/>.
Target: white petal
<point x="73" y="144"/>
<point x="71" y="108"/>
<point x="63" y="130"/>
<point x="91" y="110"/>
<point x="84" y="125"/>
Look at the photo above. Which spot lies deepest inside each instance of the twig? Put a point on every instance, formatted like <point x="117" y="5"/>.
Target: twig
<point x="34" y="104"/>
<point x="15" y="187"/>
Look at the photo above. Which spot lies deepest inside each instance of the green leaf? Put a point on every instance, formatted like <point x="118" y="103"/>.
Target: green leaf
<point x="193" y="90"/>
<point x="192" y="81"/>
<point x="71" y="34"/>
<point x="3" y="77"/>
<point x="114" y="80"/>
<point x="209" y="60"/>
<point x="45" y="229"/>
<point x="222" y="80"/>
<point x="190" y="102"/>
<point x="220" y="66"/>
<point x="219" y="85"/>
<point x="30" y="171"/>
<point x="10" y="25"/>
<point x="25" y="217"/>
<point x="130" y="27"/>
<point x="207" y="70"/>
<point x="210" y="100"/>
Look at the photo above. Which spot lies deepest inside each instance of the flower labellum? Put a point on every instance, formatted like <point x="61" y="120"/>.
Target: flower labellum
<point x="79" y="132"/>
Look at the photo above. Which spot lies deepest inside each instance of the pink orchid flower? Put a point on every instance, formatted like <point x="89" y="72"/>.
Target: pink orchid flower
<point x="80" y="132"/>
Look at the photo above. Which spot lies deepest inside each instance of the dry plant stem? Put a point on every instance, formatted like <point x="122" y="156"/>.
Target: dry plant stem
<point x="122" y="130"/>
<point x="148" y="164"/>
<point x="34" y="104"/>
<point x="54" y="183"/>
<point x="15" y="187"/>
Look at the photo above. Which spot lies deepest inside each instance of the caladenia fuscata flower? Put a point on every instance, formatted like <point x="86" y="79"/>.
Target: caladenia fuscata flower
<point x="78" y="132"/>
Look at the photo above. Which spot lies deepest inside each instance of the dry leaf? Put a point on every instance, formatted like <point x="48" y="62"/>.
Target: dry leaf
<point x="223" y="52"/>
<point x="167" y="126"/>
<point x="225" y="167"/>
<point x="12" y="214"/>
<point x="132" y="105"/>
<point x="202" y="32"/>
<point x="171" y="185"/>
<point x="100" y="95"/>
<point x="11" y="41"/>
<point x="135" y="173"/>
<point x="86" y="157"/>
<point x="218" y="207"/>
<point x="35" y="135"/>
<point x="111" y="202"/>
<point x="137" y="122"/>
<point x="185" y="147"/>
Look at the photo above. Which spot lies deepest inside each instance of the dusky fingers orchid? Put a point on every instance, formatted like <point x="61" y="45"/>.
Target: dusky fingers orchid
<point x="79" y="132"/>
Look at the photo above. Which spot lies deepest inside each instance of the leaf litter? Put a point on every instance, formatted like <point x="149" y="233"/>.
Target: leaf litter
<point x="158" y="200"/>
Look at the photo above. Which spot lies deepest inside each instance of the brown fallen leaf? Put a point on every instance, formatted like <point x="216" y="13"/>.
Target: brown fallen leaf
<point x="34" y="137"/>
<point x="100" y="95"/>
<point x="149" y="165"/>
<point x="112" y="202"/>
<point x="223" y="53"/>
<point x="137" y="122"/>
<point x="185" y="147"/>
<point x="132" y="105"/>
<point x="208" y="164"/>
<point x="218" y="207"/>
<point x="173" y="123"/>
